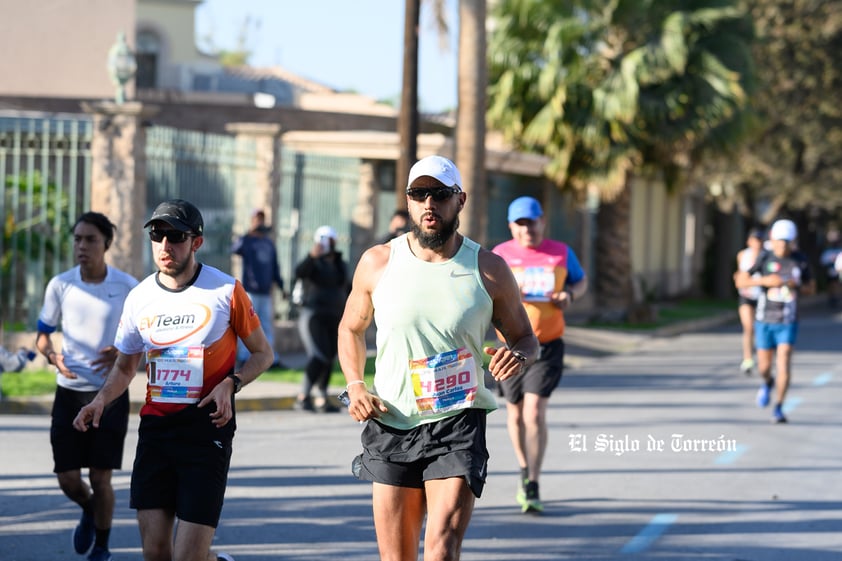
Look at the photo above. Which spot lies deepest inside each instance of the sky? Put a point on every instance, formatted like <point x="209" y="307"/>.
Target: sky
<point x="347" y="45"/>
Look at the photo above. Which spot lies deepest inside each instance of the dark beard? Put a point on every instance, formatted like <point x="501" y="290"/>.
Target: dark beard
<point x="176" y="269"/>
<point x="435" y="240"/>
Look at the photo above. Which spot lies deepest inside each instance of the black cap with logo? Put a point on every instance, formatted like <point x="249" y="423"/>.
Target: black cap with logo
<point x="180" y="214"/>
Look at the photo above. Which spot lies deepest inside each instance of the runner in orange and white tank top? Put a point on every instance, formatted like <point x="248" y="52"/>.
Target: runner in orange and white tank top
<point x="185" y="321"/>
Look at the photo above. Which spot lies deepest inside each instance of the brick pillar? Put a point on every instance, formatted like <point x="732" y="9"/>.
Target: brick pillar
<point x="363" y="214"/>
<point x="260" y="189"/>
<point x="118" y="177"/>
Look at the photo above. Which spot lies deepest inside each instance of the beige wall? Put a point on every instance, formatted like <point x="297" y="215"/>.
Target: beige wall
<point x="174" y="21"/>
<point x="59" y="48"/>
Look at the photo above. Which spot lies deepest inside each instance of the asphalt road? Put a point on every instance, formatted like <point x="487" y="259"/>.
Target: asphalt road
<point x="618" y="482"/>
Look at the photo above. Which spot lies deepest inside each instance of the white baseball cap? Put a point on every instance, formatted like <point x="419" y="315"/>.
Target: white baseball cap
<point x="437" y="167"/>
<point x="324" y="232"/>
<point x="783" y="230"/>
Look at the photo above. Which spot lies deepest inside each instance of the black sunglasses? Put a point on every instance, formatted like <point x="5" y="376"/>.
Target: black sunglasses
<point x="173" y="236"/>
<point x="439" y="194"/>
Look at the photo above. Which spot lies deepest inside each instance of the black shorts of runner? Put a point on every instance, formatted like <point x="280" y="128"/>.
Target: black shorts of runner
<point x="747" y="301"/>
<point x="100" y="448"/>
<point x="181" y="466"/>
<point x="541" y="378"/>
<point x="451" y="447"/>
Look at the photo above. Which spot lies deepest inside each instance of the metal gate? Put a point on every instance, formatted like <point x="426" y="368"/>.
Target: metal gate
<point x="204" y="169"/>
<point x="45" y="168"/>
<point x="316" y="190"/>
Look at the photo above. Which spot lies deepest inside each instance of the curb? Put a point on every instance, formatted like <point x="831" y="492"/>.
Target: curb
<point x="600" y="341"/>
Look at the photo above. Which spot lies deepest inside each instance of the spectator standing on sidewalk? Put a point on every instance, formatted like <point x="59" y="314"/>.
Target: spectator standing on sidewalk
<point x="747" y="307"/>
<point x="324" y="284"/>
<point x="550" y="279"/>
<point x="261" y="273"/>
<point x="186" y="320"/>
<point x="784" y="276"/>
<point x="432" y="294"/>
<point x="86" y="301"/>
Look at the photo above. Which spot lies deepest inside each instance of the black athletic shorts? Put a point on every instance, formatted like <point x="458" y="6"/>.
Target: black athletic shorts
<point x="451" y="447"/>
<point x="541" y="378"/>
<point x="181" y="465"/>
<point x="100" y="448"/>
<point x="750" y="301"/>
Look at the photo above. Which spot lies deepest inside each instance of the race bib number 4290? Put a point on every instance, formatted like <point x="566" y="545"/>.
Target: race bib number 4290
<point x="444" y="382"/>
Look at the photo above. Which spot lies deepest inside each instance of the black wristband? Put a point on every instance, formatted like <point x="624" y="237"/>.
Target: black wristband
<point x="238" y="382"/>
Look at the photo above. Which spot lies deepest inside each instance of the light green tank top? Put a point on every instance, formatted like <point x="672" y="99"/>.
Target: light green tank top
<point x="432" y="319"/>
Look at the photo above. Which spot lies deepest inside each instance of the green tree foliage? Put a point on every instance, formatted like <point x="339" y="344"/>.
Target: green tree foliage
<point x="793" y="160"/>
<point x="606" y="87"/>
<point x="33" y="211"/>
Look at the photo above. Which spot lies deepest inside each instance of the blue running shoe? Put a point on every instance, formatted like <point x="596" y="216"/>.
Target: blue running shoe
<point x="763" y="394"/>
<point x="84" y="534"/>
<point x="778" y="416"/>
<point x="99" y="554"/>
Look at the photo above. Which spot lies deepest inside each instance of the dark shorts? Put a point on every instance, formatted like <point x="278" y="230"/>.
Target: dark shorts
<point x="541" y="378"/>
<point x="452" y="447"/>
<point x="100" y="448"/>
<point x="743" y="301"/>
<point x="181" y="466"/>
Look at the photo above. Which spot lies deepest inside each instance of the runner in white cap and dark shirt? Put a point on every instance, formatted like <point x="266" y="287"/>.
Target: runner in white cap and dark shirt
<point x="186" y="320"/>
<point x="783" y="275"/>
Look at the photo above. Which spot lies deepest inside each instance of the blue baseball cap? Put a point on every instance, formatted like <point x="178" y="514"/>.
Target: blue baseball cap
<point x="525" y="207"/>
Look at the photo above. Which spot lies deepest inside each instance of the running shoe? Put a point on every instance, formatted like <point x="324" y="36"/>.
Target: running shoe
<point x="778" y="416"/>
<point x="305" y="404"/>
<point x="84" y="534"/>
<point x="99" y="554"/>
<point x="533" y="502"/>
<point x="763" y="394"/>
<point x="746" y="366"/>
<point x="521" y="492"/>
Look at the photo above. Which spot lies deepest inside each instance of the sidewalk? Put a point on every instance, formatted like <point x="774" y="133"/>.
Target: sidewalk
<point x="581" y="344"/>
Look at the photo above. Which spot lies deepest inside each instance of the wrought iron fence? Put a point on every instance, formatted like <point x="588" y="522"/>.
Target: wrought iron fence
<point x="45" y="168"/>
<point x="206" y="169"/>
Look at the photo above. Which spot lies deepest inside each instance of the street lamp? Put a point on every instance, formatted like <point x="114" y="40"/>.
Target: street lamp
<point x="121" y="66"/>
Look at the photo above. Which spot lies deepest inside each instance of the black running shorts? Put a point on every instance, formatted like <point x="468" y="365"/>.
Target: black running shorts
<point x="452" y="447"/>
<point x="541" y="378"/>
<point x="100" y="448"/>
<point x="181" y="465"/>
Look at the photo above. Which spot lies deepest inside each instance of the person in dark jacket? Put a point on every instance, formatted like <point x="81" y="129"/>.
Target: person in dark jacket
<point x="324" y="277"/>
<point x="260" y="274"/>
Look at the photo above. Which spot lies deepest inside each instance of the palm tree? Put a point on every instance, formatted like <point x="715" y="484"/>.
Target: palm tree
<point x="612" y="90"/>
<point x="408" y="116"/>
<point x="470" y="117"/>
<point x="470" y="125"/>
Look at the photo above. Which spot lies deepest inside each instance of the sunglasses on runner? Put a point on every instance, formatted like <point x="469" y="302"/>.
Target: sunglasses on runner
<point x="439" y="194"/>
<point x="173" y="236"/>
